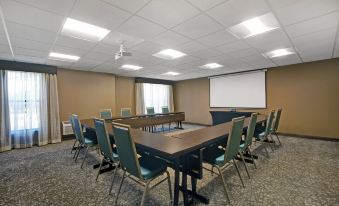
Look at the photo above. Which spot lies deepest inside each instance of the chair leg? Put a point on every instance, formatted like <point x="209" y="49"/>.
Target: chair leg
<point x="83" y="161"/>
<point x="114" y="174"/>
<point x="236" y="167"/>
<point x="169" y="185"/>
<point x="278" y="138"/>
<point x="265" y="147"/>
<point x="77" y="152"/>
<point x="145" y="193"/>
<point x="272" y="147"/>
<point x="102" y="162"/>
<point x="249" y="151"/>
<point x="117" y="195"/>
<point x="224" y="184"/>
<point x="243" y="160"/>
<point x="75" y="141"/>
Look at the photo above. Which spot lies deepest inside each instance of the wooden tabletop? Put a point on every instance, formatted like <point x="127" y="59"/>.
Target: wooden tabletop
<point x="143" y="115"/>
<point x="176" y="145"/>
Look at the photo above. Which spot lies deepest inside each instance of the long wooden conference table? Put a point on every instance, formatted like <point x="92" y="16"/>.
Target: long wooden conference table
<point x="182" y="151"/>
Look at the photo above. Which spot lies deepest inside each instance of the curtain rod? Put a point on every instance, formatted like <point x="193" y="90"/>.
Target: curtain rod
<point x="238" y="73"/>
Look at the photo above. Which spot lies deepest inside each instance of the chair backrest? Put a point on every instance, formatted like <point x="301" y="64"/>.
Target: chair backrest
<point x="106" y="114"/>
<point x="150" y="110"/>
<point x="269" y="123"/>
<point x="126" y="149"/>
<point x="103" y="139"/>
<point x="250" y="129"/>
<point x="77" y="128"/>
<point x="276" y="120"/>
<point x="125" y="112"/>
<point x="234" y="138"/>
<point x="164" y="109"/>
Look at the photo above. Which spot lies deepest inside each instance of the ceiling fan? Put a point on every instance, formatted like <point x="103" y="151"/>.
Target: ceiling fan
<point x="122" y="52"/>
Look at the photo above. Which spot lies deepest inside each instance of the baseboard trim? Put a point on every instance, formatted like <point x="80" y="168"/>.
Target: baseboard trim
<point x="67" y="137"/>
<point x="309" y="137"/>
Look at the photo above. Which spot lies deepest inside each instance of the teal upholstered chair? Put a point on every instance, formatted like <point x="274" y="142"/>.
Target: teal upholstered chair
<point x="150" y="110"/>
<point x="84" y="142"/>
<point x="245" y="146"/>
<point x="106" y="114"/>
<point x="164" y="109"/>
<point x="109" y="154"/>
<point x="126" y="112"/>
<point x="221" y="158"/>
<point x="263" y="137"/>
<point x="275" y="125"/>
<point x="145" y="169"/>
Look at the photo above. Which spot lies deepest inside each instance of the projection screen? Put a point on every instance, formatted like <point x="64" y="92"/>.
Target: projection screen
<point x="242" y="90"/>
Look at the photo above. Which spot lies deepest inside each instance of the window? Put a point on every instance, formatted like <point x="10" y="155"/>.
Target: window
<point x="157" y="96"/>
<point x="24" y="96"/>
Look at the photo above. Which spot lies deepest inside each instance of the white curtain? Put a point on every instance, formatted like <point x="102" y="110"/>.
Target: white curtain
<point x="5" y="140"/>
<point x="153" y="95"/>
<point x="54" y="118"/>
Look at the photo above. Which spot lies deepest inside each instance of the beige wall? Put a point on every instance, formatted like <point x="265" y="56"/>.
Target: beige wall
<point x="85" y="93"/>
<point x="308" y="94"/>
<point x="124" y="93"/>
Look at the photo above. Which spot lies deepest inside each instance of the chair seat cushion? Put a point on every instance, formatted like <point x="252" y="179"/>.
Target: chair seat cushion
<point x="115" y="153"/>
<point x="260" y="136"/>
<point x="242" y="146"/>
<point x="151" y="167"/>
<point x="90" y="142"/>
<point x="214" y="156"/>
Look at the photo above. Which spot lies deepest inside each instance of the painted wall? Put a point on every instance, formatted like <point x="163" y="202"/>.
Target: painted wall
<point x="124" y="93"/>
<point x="85" y="93"/>
<point x="308" y="94"/>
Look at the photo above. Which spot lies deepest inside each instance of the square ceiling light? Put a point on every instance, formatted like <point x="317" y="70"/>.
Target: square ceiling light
<point x="83" y="30"/>
<point x="280" y="52"/>
<point x="255" y="26"/>
<point x="211" y="66"/>
<point x="169" y="54"/>
<point x="171" y="73"/>
<point x="130" y="67"/>
<point x="63" y="57"/>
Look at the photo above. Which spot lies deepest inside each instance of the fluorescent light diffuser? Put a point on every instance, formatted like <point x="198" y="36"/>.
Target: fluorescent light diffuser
<point x="171" y="73"/>
<point x="211" y="66"/>
<point x="169" y="54"/>
<point x="63" y="57"/>
<point x="130" y="67"/>
<point x="255" y="26"/>
<point x="280" y="52"/>
<point x="83" y="30"/>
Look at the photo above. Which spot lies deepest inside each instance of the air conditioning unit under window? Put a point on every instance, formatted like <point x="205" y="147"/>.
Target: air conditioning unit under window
<point x="67" y="128"/>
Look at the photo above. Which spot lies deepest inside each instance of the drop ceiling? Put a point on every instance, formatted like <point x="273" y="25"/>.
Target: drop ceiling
<point x="198" y="28"/>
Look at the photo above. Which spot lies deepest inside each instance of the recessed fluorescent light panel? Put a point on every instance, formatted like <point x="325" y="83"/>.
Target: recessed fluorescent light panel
<point x="169" y="54"/>
<point x="83" y="30"/>
<point x="130" y="67"/>
<point x="255" y="26"/>
<point x="280" y="52"/>
<point x="211" y="66"/>
<point x="63" y="57"/>
<point x="171" y="73"/>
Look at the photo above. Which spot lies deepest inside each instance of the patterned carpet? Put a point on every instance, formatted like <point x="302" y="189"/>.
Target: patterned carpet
<point x="301" y="172"/>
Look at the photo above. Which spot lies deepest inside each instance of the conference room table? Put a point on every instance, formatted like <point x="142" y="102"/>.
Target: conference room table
<point x="178" y="150"/>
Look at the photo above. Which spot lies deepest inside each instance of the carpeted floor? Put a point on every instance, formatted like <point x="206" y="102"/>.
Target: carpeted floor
<point x="301" y="172"/>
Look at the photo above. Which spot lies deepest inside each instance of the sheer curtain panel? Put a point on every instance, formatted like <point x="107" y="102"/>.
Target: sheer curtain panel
<point x="5" y="140"/>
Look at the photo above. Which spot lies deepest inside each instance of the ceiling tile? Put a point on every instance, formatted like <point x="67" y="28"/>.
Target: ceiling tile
<point x="97" y="56"/>
<point x="4" y="48"/>
<point x="217" y="38"/>
<point x="191" y="47"/>
<point x="206" y="53"/>
<point x="276" y="39"/>
<point x="234" y="46"/>
<point x="31" y="33"/>
<point x="235" y="11"/>
<point x="205" y="4"/>
<point x="106" y="48"/>
<point x="313" y="25"/>
<point x="3" y="39"/>
<point x="98" y="13"/>
<point x="60" y="7"/>
<point x="31" y="16"/>
<point x="287" y="60"/>
<point x="59" y="64"/>
<point x="148" y="47"/>
<point x="116" y="38"/>
<point x="198" y="26"/>
<point x="30" y="59"/>
<point x="140" y="28"/>
<point x="161" y="12"/>
<point x="74" y="43"/>
<point x="296" y="11"/>
<point x="170" y="38"/>
<point x="29" y="52"/>
<point x="29" y="44"/>
<point x="243" y="53"/>
<point x="6" y="55"/>
<point x="68" y="50"/>
<point x="128" y="5"/>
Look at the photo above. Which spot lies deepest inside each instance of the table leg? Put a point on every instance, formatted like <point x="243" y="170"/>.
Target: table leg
<point x="176" y="182"/>
<point x="184" y="188"/>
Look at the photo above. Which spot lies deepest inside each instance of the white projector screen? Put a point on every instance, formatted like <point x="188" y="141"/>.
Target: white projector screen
<point x="246" y="90"/>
